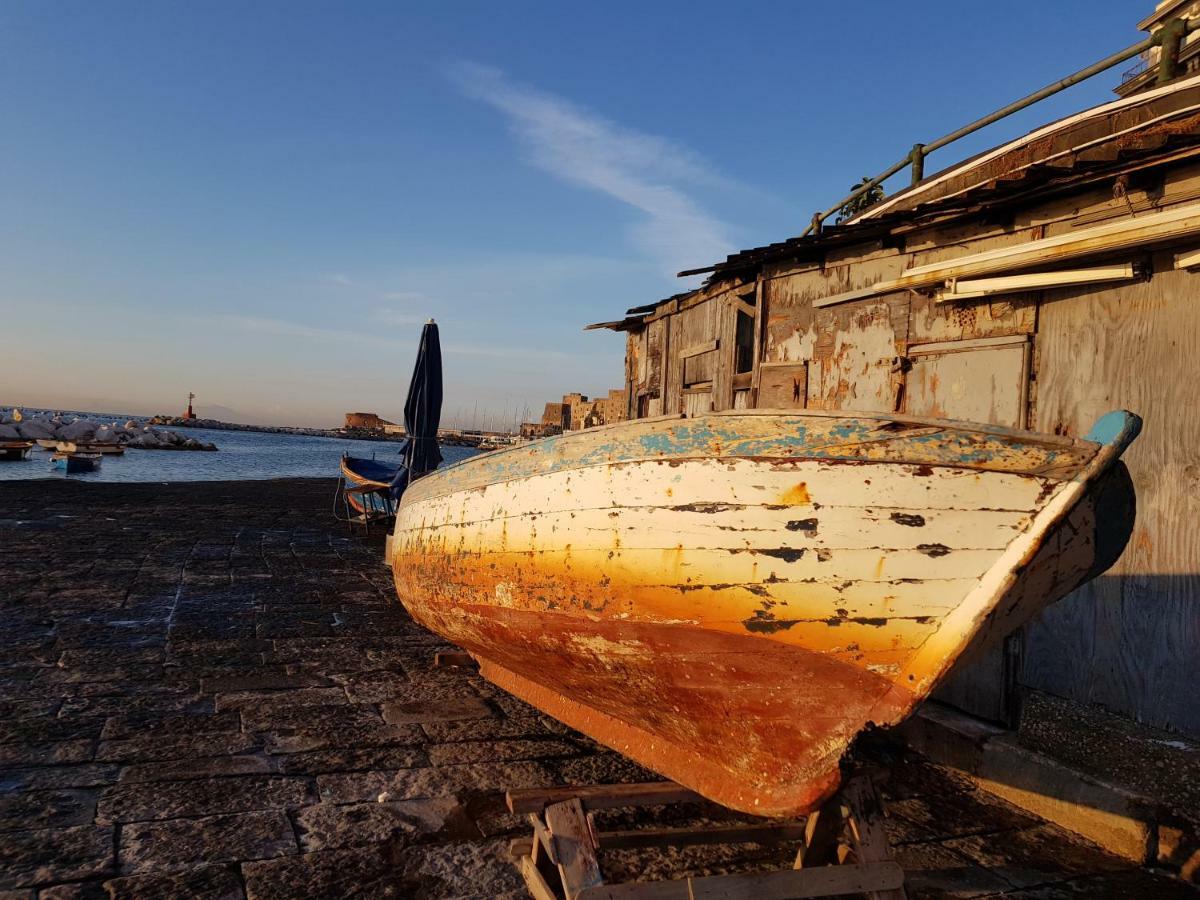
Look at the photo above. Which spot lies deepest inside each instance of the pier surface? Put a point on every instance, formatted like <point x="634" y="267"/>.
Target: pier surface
<point x="210" y="690"/>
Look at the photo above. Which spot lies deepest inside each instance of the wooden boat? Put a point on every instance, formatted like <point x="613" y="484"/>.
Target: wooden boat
<point x="13" y="451"/>
<point x="47" y="443"/>
<point x="359" y="472"/>
<point x="109" y="449"/>
<point x="73" y="463"/>
<point x="730" y="599"/>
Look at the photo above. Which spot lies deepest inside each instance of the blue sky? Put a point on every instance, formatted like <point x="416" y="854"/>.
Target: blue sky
<point x="261" y="202"/>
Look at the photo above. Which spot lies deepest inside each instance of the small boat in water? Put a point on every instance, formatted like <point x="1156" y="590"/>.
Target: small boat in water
<point x="369" y="473"/>
<point x="12" y="451"/>
<point x="730" y="599"/>
<point x="74" y="463"/>
<point x="107" y="449"/>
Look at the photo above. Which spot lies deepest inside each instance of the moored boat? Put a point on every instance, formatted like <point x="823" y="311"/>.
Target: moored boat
<point x="370" y="473"/>
<point x="730" y="599"/>
<point x="13" y="451"/>
<point x="74" y="463"/>
<point x="107" y="449"/>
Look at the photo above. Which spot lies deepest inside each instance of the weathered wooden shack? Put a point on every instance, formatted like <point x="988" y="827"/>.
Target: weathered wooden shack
<point x="1037" y="285"/>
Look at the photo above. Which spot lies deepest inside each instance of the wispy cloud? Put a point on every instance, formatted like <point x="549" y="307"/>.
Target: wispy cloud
<point x="387" y="316"/>
<point x="642" y="170"/>
<point x="285" y="329"/>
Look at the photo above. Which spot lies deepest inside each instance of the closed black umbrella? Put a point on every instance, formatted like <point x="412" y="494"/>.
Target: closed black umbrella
<point x="422" y="412"/>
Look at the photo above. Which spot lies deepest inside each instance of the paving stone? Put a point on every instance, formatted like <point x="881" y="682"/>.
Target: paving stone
<point x="46" y="809"/>
<point x="442" y="781"/>
<point x="1034" y="856"/>
<point x="387" y="686"/>
<point x="254" y="701"/>
<point x="274" y="678"/>
<point x="1136" y="884"/>
<point x="148" y="749"/>
<point x="932" y="871"/>
<point x="53" y="777"/>
<point x="365" y="872"/>
<point x="148" y="704"/>
<point x="367" y="759"/>
<point x="46" y="754"/>
<point x="602" y="768"/>
<point x="80" y="890"/>
<point x="179" y="844"/>
<point x="328" y="736"/>
<point x="209" y="883"/>
<point x="485" y="729"/>
<point x="485" y="751"/>
<point x="43" y="856"/>
<point x="126" y="726"/>
<point x="206" y="797"/>
<point x="309" y="718"/>
<point x="479" y="869"/>
<point x="952" y="814"/>
<point x="47" y="729"/>
<point x="187" y="769"/>
<point x="449" y="709"/>
<point x="328" y="826"/>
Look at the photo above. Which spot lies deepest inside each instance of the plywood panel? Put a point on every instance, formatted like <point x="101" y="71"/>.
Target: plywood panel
<point x="783" y="387"/>
<point x="986" y="384"/>
<point x="964" y="320"/>
<point x="1131" y="639"/>
<point x="853" y="347"/>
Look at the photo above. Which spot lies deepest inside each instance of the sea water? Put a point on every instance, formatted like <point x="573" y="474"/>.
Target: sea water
<point x="240" y="455"/>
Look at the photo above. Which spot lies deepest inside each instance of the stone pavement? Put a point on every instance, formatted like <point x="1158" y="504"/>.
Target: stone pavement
<point x="209" y="690"/>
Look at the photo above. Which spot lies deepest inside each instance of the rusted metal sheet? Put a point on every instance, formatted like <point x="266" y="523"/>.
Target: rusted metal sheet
<point x="729" y="600"/>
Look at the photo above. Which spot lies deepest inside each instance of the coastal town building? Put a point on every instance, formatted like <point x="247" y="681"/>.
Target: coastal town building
<point x="369" y="421"/>
<point x="1038" y="285"/>
<point x="576" y="412"/>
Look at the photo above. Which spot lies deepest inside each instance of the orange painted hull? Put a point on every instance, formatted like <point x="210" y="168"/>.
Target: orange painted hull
<point x="730" y="600"/>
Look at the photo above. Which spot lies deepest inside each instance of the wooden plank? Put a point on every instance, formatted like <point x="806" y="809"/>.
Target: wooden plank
<point x="867" y="831"/>
<point x="538" y="888"/>
<point x="1170" y="225"/>
<point x="975" y="344"/>
<point x="965" y="288"/>
<point x="697" y="349"/>
<point x="605" y="796"/>
<point x="822" y="832"/>
<point x="782" y="386"/>
<point x="772" y="832"/>
<point x="825" y="881"/>
<point x="573" y="849"/>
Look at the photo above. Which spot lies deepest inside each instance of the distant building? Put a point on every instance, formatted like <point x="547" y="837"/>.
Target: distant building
<point x="534" y="430"/>
<point x="557" y="415"/>
<point x="576" y="411"/>
<point x="368" y="421"/>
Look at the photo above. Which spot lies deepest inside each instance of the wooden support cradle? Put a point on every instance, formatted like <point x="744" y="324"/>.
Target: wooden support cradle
<point x="843" y="847"/>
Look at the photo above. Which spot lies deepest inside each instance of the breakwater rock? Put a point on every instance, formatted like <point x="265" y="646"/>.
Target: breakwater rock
<point x="215" y="425"/>
<point x="85" y="430"/>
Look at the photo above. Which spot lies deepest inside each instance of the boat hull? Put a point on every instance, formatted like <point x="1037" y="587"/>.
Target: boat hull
<point x="359" y="502"/>
<point x="74" y="464"/>
<point x="13" y="451"/>
<point x="730" y="600"/>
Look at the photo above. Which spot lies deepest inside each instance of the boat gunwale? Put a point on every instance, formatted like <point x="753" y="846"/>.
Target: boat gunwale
<point x="1036" y="438"/>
